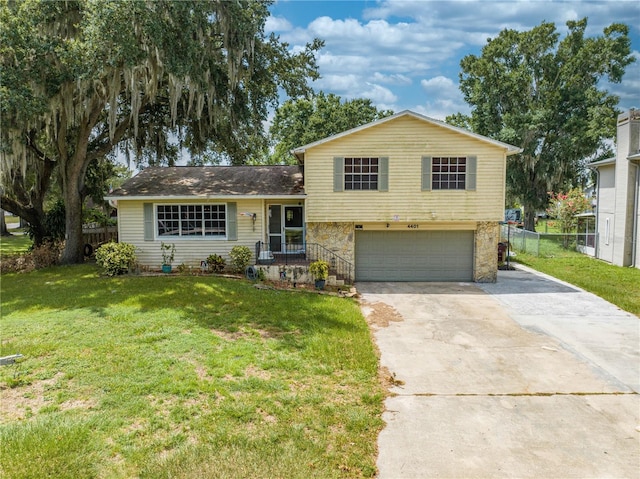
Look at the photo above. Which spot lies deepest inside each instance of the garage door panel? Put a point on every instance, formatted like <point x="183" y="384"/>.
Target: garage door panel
<point x="414" y="255"/>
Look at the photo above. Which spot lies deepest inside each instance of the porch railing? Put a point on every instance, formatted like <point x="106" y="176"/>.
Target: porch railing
<point x="304" y="254"/>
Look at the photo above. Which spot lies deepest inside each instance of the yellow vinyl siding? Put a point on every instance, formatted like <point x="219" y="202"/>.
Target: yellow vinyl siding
<point x="405" y="141"/>
<point x="189" y="250"/>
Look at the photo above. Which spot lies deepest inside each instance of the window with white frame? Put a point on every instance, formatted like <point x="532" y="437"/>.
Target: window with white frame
<point x="448" y="173"/>
<point x="361" y="173"/>
<point x="192" y="220"/>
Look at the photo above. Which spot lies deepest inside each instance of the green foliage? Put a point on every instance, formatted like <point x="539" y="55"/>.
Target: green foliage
<point x="168" y="251"/>
<point x="216" y="263"/>
<point x="305" y="120"/>
<point x="97" y="215"/>
<point x="53" y="223"/>
<point x="116" y="258"/>
<point x="240" y="258"/>
<point x="319" y="269"/>
<point x="81" y="78"/>
<point x="541" y="93"/>
<point x="564" y="208"/>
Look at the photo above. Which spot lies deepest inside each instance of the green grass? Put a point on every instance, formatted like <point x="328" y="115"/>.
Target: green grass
<point x="14" y="244"/>
<point x="183" y="376"/>
<point x="620" y="286"/>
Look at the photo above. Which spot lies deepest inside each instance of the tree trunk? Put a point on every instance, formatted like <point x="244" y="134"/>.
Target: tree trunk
<point x="73" y="179"/>
<point x="32" y="215"/>
<point x="3" y="225"/>
<point x="529" y="218"/>
<point x="74" y="245"/>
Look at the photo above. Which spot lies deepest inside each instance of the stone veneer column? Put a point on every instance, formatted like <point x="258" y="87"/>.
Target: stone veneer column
<point x="485" y="269"/>
<point x="336" y="237"/>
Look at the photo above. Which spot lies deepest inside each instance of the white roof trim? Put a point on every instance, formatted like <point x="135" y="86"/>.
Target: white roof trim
<point x="511" y="150"/>
<point x="596" y="164"/>
<point x="204" y="197"/>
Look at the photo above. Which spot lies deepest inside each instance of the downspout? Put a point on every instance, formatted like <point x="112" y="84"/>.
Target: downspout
<point x="597" y="245"/>
<point x="634" y="238"/>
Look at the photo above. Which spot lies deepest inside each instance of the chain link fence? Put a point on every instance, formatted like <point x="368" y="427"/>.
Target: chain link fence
<point x="546" y="244"/>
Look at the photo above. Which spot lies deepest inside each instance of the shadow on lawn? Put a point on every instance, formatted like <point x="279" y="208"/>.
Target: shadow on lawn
<point x="206" y="301"/>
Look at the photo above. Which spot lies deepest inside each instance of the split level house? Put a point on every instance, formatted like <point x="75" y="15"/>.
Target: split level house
<point x="405" y="198"/>
<point x="618" y="196"/>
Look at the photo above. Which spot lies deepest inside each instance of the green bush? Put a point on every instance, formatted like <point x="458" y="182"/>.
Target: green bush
<point x="319" y="270"/>
<point x="116" y="258"/>
<point x="54" y="223"/>
<point x="240" y="258"/>
<point x="216" y="263"/>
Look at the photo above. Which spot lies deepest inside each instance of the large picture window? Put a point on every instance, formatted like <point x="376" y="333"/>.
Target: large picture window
<point x="448" y="173"/>
<point x="192" y="220"/>
<point x="361" y="173"/>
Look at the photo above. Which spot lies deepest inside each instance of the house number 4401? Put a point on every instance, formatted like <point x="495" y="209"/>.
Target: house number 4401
<point x="413" y="227"/>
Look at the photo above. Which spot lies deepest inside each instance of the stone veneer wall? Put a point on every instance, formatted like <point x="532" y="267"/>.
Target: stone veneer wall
<point x="486" y="252"/>
<point x="336" y="237"/>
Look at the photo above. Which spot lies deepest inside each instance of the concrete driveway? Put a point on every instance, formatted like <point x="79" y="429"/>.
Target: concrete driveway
<point x="528" y="377"/>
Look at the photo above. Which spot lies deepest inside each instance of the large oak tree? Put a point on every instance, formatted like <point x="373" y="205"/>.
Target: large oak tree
<point x="544" y="94"/>
<point x="82" y="76"/>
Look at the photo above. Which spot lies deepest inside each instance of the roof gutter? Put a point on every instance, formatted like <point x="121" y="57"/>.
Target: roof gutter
<point x="204" y="197"/>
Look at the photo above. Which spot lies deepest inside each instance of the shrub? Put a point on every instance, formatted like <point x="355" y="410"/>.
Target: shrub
<point x="116" y="258"/>
<point x="216" y="263"/>
<point x="319" y="270"/>
<point x="54" y="223"/>
<point x="240" y="258"/>
<point x="168" y="252"/>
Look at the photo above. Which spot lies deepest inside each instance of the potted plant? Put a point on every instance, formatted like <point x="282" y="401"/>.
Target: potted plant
<point x="168" y="252"/>
<point x="320" y="272"/>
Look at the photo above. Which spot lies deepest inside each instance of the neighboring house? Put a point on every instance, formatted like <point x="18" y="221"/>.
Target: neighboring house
<point x="618" y="196"/>
<point x="405" y="198"/>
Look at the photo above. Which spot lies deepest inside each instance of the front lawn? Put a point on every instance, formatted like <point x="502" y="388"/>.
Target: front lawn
<point x="183" y="377"/>
<point x="15" y="244"/>
<point x="620" y="286"/>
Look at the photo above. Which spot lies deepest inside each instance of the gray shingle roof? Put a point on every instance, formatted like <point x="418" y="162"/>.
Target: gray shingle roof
<point x="199" y="181"/>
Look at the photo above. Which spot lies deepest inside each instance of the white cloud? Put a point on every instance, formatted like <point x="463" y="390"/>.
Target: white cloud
<point x="392" y="79"/>
<point x="628" y="89"/>
<point x="439" y="84"/>
<point x="492" y="16"/>
<point x="406" y="53"/>
<point x="378" y="94"/>
<point x="277" y="24"/>
<point x="443" y="98"/>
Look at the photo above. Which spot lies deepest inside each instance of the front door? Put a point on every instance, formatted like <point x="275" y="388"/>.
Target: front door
<point x="286" y="228"/>
<point x="294" y="228"/>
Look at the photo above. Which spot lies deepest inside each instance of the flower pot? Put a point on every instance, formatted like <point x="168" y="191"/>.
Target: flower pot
<point x="320" y="283"/>
<point x="166" y="268"/>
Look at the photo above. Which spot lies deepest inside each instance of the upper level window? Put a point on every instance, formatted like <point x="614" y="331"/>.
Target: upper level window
<point x="448" y="173"/>
<point x="361" y="173"/>
<point x="191" y="220"/>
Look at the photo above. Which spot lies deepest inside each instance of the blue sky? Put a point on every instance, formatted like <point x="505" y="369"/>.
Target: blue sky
<point x="405" y="54"/>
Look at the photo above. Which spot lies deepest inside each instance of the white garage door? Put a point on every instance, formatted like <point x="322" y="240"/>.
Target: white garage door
<point x="414" y="255"/>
